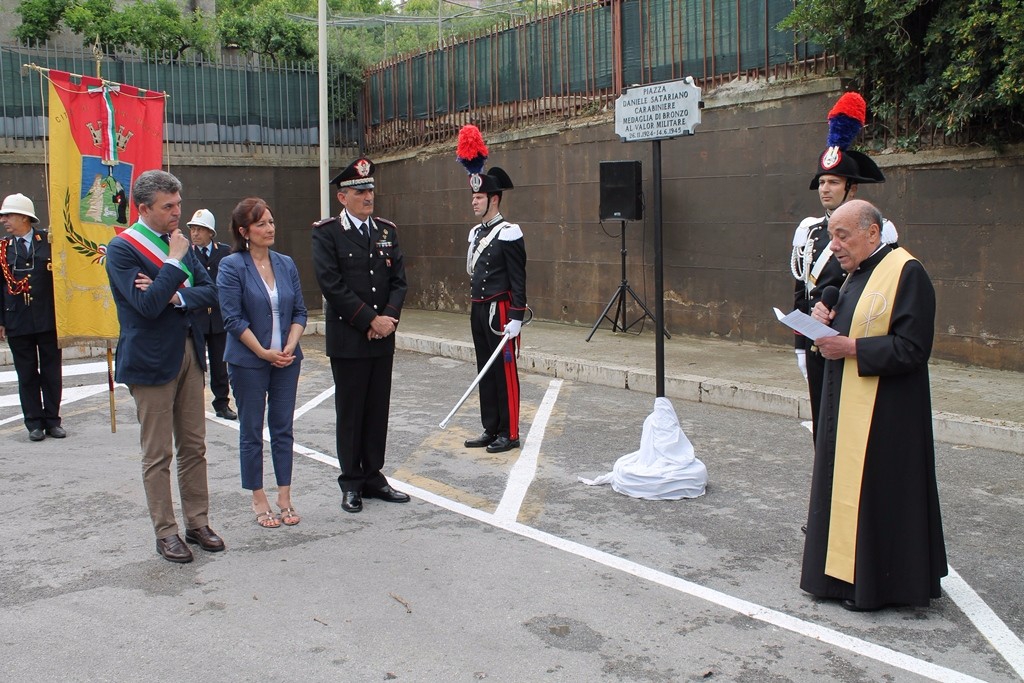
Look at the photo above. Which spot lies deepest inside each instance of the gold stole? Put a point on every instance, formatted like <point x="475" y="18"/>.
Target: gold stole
<point x="871" y="318"/>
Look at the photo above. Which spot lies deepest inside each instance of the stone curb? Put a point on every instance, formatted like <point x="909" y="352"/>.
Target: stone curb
<point x="949" y="427"/>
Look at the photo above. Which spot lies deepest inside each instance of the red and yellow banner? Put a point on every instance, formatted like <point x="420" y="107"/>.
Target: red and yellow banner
<point x="102" y="136"/>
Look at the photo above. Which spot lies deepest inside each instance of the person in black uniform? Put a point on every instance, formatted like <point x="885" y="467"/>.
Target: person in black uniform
<point x="361" y="274"/>
<point x="203" y="229"/>
<point x="27" y="318"/>
<point x="839" y="172"/>
<point x="496" y="263"/>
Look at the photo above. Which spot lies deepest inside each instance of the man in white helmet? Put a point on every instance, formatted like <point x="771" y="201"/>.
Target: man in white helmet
<point x="203" y="229"/>
<point x="27" y="319"/>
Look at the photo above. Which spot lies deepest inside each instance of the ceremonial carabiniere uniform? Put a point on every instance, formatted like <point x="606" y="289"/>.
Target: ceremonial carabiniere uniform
<point x="814" y="269"/>
<point x="811" y="262"/>
<point x="496" y="263"/>
<point x="27" y="314"/>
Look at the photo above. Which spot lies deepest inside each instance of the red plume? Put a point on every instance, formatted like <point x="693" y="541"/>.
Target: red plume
<point x="851" y="104"/>
<point x="471" y="151"/>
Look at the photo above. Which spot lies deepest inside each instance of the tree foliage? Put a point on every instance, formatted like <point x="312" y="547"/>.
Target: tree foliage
<point x="949" y="64"/>
<point x="265" y="29"/>
<point x="40" y="19"/>
<point x="156" y="25"/>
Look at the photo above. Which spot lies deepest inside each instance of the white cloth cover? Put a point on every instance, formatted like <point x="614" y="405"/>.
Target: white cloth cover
<point x="664" y="468"/>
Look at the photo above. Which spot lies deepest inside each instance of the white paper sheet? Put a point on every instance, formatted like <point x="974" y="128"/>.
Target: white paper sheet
<point x="804" y="324"/>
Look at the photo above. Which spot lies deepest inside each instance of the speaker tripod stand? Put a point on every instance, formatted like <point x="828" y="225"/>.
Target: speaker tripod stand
<point x="619" y="300"/>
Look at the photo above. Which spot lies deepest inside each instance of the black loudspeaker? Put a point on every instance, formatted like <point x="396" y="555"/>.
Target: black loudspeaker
<point x="621" y="191"/>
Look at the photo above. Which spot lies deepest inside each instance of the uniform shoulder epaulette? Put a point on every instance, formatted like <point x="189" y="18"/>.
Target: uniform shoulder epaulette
<point x="510" y="233"/>
<point x="802" y="230"/>
<point x="889" y="233"/>
<point x="385" y="221"/>
<point x="325" y="221"/>
<point x="472" y="231"/>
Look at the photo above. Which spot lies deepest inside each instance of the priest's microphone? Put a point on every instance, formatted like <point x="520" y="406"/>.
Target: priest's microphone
<point x="830" y="296"/>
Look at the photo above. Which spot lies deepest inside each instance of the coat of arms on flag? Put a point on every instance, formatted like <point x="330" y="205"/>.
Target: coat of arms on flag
<point x="102" y="135"/>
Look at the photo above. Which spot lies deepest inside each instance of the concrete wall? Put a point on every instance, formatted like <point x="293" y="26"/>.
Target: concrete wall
<point x="732" y="195"/>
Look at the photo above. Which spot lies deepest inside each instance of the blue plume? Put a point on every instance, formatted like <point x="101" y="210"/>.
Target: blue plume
<point x="842" y="129"/>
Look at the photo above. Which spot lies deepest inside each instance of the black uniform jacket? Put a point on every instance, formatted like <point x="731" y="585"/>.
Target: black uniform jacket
<point x="500" y="270"/>
<point x="209" y="320"/>
<point x="359" y="283"/>
<point x="17" y="316"/>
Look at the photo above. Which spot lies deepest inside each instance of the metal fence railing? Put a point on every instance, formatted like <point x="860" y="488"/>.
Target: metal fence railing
<point x="227" y="106"/>
<point x="577" y="61"/>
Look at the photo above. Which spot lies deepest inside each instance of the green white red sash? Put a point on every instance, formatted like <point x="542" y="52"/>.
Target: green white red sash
<point x="153" y="248"/>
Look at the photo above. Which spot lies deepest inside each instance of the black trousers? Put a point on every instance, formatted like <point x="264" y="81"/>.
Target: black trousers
<point x="218" y="369"/>
<point x="362" y="399"/>
<point x="499" y="388"/>
<point x="37" y="360"/>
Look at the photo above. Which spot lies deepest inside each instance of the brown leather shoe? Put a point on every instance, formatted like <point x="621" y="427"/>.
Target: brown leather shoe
<point x="206" y="538"/>
<point x="173" y="550"/>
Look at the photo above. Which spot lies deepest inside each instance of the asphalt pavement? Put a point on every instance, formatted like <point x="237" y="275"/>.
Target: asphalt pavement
<point x="503" y="567"/>
<point x="971" y="405"/>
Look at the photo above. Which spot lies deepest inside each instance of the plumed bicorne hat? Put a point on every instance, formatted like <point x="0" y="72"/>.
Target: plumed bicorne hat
<point x="844" y="122"/>
<point x="472" y="154"/>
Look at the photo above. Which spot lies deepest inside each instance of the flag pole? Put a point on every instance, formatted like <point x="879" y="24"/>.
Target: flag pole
<point x="110" y="389"/>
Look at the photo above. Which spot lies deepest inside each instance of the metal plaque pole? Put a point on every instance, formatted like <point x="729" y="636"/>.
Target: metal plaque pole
<point x="659" y="278"/>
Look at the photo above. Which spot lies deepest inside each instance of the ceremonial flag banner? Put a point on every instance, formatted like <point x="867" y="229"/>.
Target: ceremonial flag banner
<point x="102" y="136"/>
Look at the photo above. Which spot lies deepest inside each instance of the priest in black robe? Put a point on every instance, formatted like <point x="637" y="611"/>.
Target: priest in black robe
<point x="874" y="531"/>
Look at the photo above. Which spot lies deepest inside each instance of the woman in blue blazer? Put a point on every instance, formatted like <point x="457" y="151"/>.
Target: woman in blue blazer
<point x="264" y="315"/>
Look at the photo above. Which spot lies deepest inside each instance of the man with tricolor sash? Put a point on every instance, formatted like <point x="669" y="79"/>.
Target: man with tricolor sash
<point x="155" y="280"/>
<point x="874" y="531"/>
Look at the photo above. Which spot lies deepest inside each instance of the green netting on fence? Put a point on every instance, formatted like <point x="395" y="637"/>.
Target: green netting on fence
<point x="208" y="102"/>
<point x="571" y="53"/>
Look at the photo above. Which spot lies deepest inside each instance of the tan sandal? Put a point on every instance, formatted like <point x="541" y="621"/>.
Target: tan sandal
<point x="267" y="520"/>
<point x="289" y="513"/>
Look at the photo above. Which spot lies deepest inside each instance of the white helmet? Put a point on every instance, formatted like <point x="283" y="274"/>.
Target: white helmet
<point x="204" y="219"/>
<point x="19" y="203"/>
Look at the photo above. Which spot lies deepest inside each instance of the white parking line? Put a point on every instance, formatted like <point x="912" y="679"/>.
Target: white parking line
<point x="68" y="395"/>
<point x="752" y="610"/>
<point x="314" y="402"/>
<point x="985" y="620"/>
<point x="66" y="371"/>
<point x="1002" y="639"/>
<point x="521" y="475"/>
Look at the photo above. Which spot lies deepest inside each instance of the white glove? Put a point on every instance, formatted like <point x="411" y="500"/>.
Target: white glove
<point x="513" y="327"/>
<point x="801" y="362"/>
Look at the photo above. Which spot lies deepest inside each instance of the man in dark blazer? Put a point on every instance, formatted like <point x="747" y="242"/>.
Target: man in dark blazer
<point x="27" y="319"/>
<point x="155" y="280"/>
<point x="203" y="228"/>
<point x="361" y="274"/>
